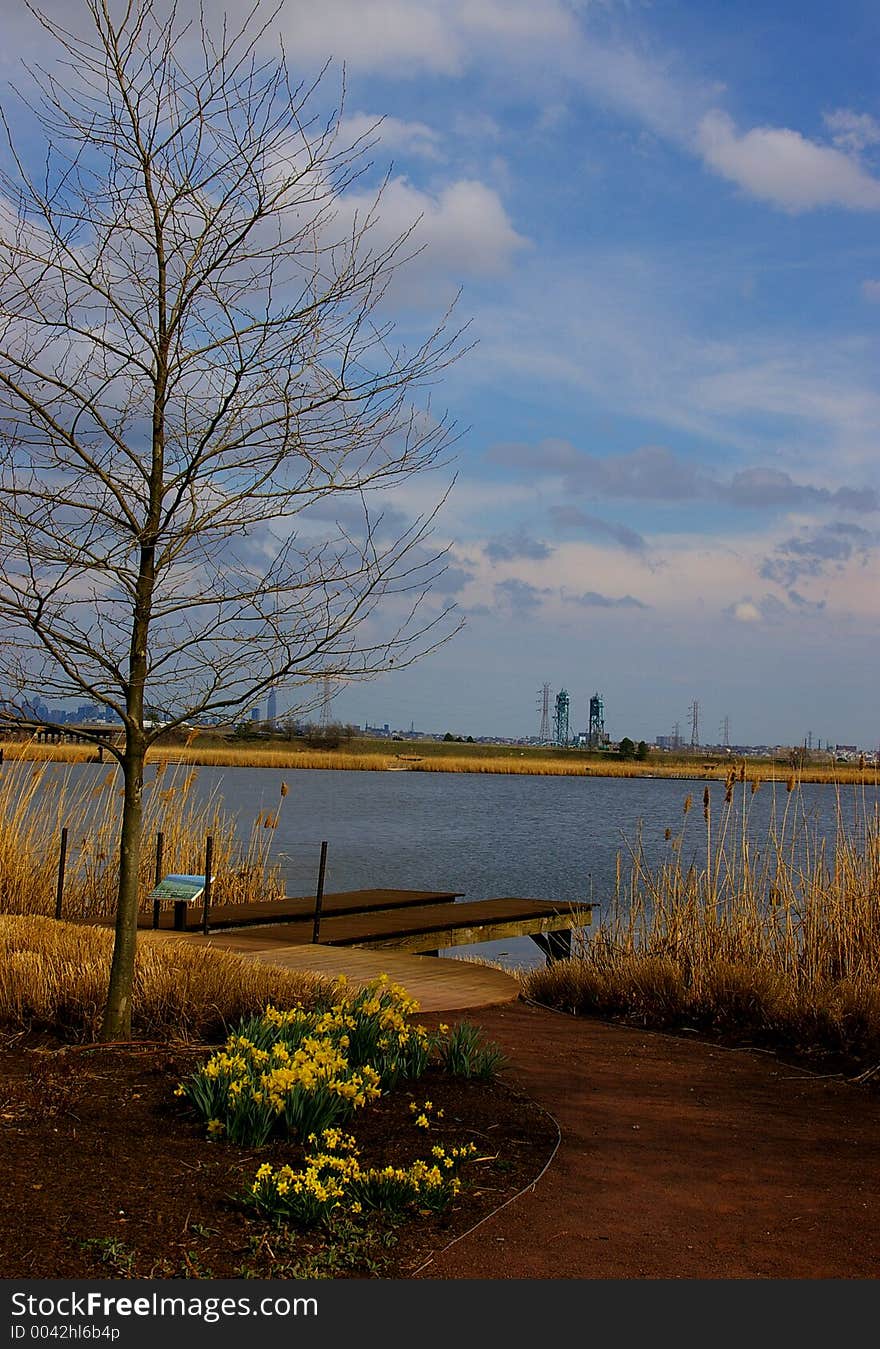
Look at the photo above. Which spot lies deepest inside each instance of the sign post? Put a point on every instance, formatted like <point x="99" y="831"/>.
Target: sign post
<point x="183" y="891"/>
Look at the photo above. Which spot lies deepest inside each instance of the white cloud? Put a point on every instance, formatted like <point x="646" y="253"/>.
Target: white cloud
<point x="392" y="133"/>
<point x="746" y="612"/>
<point x="405" y="38"/>
<point x="852" y="131"/>
<point x="401" y="37"/>
<point x="781" y="166"/>
<point x="464" y="228"/>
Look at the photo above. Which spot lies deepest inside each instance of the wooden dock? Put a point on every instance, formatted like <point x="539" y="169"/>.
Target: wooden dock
<point x="394" y="920"/>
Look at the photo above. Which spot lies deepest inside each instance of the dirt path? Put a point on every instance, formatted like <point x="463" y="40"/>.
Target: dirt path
<point x="679" y="1160"/>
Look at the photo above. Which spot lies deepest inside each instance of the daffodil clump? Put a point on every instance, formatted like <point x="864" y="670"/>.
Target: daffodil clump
<point x="332" y="1182"/>
<point x="376" y="1019"/>
<point x="246" y="1093"/>
<point x="299" y="1071"/>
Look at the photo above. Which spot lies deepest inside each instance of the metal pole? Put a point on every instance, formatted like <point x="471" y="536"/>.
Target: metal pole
<point x="62" y="859"/>
<point x="319" y="893"/>
<point x="157" y="876"/>
<point x="206" y="903"/>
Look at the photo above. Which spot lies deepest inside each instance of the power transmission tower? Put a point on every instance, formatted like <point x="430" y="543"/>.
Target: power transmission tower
<point x="694" y="712"/>
<point x="560" y="720"/>
<point x="725" y="733"/>
<point x="544" y="733"/>
<point x="326" y="699"/>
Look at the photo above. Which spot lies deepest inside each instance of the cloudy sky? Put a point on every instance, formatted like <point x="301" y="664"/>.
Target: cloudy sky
<point x="663" y="220"/>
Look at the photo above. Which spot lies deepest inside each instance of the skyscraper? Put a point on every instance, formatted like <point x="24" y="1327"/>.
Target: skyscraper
<point x="272" y="707"/>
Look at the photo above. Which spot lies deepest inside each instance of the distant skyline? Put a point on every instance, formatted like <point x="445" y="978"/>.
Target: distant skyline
<point x="663" y="219"/>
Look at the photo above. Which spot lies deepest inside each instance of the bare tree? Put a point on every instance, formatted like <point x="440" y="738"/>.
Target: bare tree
<point x="198" y="395"/>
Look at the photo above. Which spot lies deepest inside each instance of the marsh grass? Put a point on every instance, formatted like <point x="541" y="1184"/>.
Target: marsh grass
<point x="53" y="976"/>
<point x="440" y="757"/>
<point x="38" y="799"/>
<point x="777" y="939"/>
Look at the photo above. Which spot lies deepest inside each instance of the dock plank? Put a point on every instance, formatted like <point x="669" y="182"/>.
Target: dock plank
<point x="303" y="907"/>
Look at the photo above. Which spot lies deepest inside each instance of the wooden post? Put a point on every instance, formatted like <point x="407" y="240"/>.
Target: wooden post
<point x="62" y="859"/>
<point x="157" y="875"/>
<point x="555" y="945"/>
<point x="319" y="893"/>
<point x="206" y="902"/>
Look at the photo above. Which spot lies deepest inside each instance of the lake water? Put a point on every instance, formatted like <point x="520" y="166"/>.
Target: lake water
<point x="484" y="835"/>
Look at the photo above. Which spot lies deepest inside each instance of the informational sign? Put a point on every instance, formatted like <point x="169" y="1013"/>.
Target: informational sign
<point x="189" y="888"/>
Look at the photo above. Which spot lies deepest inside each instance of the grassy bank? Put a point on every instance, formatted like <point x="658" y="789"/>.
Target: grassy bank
<point x="439" y="757"/>
<point x="53" y="976"/>
<point x="776" y="941"/>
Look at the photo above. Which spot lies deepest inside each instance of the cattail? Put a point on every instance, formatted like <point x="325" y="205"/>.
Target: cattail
<point x="688" y="802"/>
<point x="284" y="789"/>
<point x="756" y="782"/>
<point x="728" y="794"/>
<point x="705" y="803"/>
<point x="789" y="786"/>
<point x="742" y="771"/>
<point x="667" y="834"/>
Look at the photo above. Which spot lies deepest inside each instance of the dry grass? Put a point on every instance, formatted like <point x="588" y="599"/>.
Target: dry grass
<point x="271" y="758"/>
<point x="778" y="940"/>
<point x="54" y="976"/>
<point x="35" y="803"/>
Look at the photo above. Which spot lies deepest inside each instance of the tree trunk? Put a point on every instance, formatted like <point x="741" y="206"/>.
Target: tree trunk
<point x="117" y="1010"/>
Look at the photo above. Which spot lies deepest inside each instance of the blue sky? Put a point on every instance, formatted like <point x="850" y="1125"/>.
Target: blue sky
<point x="663" y="222"/>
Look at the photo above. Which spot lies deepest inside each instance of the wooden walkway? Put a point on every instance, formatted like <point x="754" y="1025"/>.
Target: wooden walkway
<point x="438" y="985"/>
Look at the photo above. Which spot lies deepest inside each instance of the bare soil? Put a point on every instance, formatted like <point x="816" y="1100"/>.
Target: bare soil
<point x="104" y="1173"/>
<point x="680" y="1158"/>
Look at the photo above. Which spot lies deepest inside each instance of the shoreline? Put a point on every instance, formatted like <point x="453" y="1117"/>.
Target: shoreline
<point x="436" y="759"/>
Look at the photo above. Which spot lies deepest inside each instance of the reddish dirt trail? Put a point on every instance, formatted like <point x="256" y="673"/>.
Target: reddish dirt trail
<point x="679" y="1160"/>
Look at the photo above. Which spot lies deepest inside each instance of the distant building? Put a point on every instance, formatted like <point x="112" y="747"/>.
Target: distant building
<point x="272" y="707"/>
